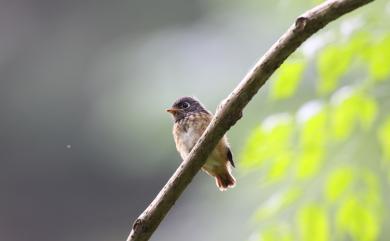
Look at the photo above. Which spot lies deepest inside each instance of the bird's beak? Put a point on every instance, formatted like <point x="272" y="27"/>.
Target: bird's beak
<point x="172" y="110"/>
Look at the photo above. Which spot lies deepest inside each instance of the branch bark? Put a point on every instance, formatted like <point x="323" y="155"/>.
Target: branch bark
<point x="230" y="110"/>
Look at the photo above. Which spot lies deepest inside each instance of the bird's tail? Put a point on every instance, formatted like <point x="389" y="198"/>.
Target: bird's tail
<point x="225" y="180"/>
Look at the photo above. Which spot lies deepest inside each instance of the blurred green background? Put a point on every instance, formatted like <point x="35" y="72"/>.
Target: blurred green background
<point x="86" y="144"/>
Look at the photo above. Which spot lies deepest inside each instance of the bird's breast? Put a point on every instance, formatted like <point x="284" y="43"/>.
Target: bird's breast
<point x="185" y="140"/>
<point x="187" y="131"/>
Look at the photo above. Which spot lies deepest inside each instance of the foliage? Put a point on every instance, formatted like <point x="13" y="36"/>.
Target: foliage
<point x="325" y="161"/>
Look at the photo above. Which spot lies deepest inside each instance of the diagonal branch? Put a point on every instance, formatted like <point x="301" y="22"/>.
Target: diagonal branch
<point x="231" y="108"/>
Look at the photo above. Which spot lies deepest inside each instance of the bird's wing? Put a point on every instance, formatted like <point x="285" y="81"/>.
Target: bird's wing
<point x="230" y="157"/>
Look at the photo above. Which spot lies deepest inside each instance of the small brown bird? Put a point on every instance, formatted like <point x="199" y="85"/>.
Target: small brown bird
<point x="191" y="120"/>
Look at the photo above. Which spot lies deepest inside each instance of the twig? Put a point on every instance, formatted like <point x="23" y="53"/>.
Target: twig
<point x="230" y="110"/>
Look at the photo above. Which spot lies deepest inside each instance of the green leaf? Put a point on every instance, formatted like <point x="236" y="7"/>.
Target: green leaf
<point x="280" y="166"/>
<point x="313" y="223"/>
<point x="370" y="188"/>
<point x="338" y="182"/>
<point x="312" y="117"/>
<point x="254" y="152"/>
<point x="344" y="111"/>
<point x="384" y="139"/>
<point x="332" y="63"/>
<point x="368" y="111"/>
<point x="359" y="44"/>
<point x="277" y="233"/>
<point x="309" y="162"/>
<point x="360" y="222"/>
<point x="268" y="141"/>
<point x="288" y="78"/>
<point x="379" y="59"/>
<point x="350" y="107"/>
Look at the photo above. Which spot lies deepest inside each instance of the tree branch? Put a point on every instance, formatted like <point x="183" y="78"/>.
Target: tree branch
<point x="231" y="108"/>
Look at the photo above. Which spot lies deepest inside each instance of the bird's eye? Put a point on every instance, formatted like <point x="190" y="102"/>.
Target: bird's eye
<point x="185" y="105"/>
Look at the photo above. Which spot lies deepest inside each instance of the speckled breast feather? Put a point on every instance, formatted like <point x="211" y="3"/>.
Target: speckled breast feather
<point x="188" y="130"/>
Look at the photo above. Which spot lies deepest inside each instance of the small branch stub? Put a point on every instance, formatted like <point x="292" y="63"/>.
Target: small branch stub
<point x="300" y="23"/>
<point x="137" y="223"/>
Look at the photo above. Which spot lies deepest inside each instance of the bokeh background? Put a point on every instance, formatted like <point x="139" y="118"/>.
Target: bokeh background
<point x="85" y="142"/>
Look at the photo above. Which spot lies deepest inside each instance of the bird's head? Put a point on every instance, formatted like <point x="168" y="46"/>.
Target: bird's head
<point x="185" y="106"/>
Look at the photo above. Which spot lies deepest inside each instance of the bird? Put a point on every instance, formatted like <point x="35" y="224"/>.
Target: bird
<point x="191" y="119"/>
